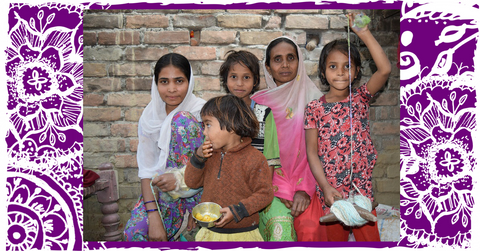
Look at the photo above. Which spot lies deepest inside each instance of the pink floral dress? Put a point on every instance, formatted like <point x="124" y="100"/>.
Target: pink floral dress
<point x="334" y="134"/>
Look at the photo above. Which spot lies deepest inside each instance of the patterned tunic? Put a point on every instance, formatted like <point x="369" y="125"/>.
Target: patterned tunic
<point x="334" y="134"/>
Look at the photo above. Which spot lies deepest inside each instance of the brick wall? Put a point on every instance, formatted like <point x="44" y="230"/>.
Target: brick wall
<point x="122" y="46"/>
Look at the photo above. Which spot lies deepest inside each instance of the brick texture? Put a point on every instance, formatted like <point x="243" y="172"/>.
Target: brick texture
<point x="121" y="48"/>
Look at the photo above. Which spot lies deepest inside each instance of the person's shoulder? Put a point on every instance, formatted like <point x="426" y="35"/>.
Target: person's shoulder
<point x="314" y="103"/>
<point x="254" y="153"/>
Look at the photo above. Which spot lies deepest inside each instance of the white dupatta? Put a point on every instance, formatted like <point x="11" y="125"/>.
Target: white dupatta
<point x="154" y="130"/>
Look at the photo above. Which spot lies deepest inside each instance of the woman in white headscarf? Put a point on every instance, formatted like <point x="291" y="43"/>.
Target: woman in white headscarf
<point x="293" y="214"/>
<point x="169" y="130"/>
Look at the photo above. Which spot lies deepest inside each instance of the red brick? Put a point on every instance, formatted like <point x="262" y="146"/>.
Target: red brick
<point x="130" y="69"/>
<point x="259" y="53"/>
<point x="89" y="38"/>
<point x="146" y="21"/>
<point x="102" y="114"/>
<point x="240" y="21"/>
<point x="94" y="69"/>
<point x="202" y="11"/>
<point x="133" y="145"/>
<point x="138" y="84"/>
<point x="311" y="68"/>
<point x="306" y="22"/>
<point x="332" y="11"/>
<point x="124" y="130"/>
<point x="93" y="145"/>
<point x="196" y="52"/>
<point x="125" y="160"/>
<point x="123" y="99"/>
<point x="211" y="68"/>
<point x="145" y="53"/>
<point x="92" y="99"/>
<point x="217" y="37"/>
<point x="258" y="37"/>
<point x="207" y="84"/>
<point x="102" y="54"/>
<point x="119" y="38"/>
<point x="250" y="11"/>
<point x="338" y="22"/>
<point x="386" y="99"/>
<point x="167" y="37"/>
<point x="133" y="114"/>
<point x="194" y="21"/>
<point x="102" y="21"/>
<point x="274" y="22"/>
<point x="95" y="130"/>
<point x="209" y="95"/>
<point x="299" y="37"/>
<point x="101" y="84"/>
<point x="291" y="11"/>
<point x="385" y="128"/>
<point x="388" y="185"/>
<point x="328" y="37"/>
<point x="393" y="83"/>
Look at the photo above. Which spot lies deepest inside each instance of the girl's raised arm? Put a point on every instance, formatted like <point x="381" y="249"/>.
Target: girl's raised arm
<point x="379" y="78"/>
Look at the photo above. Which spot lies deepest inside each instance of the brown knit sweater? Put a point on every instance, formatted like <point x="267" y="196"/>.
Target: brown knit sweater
<point x="239" y="179"/>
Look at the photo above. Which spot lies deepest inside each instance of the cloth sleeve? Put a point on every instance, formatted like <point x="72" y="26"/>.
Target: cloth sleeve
<point x="260" y="182"/>
<point x="310" y="118"/>
<point x="147" y="154"/>
<point x="194" y="172"/>
<point x="364" y="93"/>
<point x="271" y="148"/>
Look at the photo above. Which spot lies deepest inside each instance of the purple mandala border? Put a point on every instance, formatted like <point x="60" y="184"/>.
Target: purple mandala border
<point x="48" y="141"/>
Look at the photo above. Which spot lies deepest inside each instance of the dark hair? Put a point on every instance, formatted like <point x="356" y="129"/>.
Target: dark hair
<point x="176" y="60"/>
<point x="245" y="58"/>
<point x="340" y="45"/>
<point x="232" y="114"/>
<point x="274" y="43"/>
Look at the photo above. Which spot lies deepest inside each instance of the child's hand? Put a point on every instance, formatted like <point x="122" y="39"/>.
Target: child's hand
<point x="227" y="216"/>
<point x="207" y="149"/>
<point x="329" y="194"/>
<point x="191" y="223"/>
<point x="360" y="24"/>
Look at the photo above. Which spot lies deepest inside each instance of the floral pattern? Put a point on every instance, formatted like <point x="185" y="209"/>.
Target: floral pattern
<point x="44" y="140"/>
<point x="334" y="143"/>
<point x="437" y="122"/>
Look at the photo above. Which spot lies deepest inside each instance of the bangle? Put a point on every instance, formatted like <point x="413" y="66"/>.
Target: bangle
<point x="152" y="210"/>
<point x="149" y="202"/>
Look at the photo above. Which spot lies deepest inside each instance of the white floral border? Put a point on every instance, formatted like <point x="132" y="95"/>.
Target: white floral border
<point x="46" y="160"/>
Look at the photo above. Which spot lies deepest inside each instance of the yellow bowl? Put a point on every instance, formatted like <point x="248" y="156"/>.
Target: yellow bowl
<point x="207" y="208"/>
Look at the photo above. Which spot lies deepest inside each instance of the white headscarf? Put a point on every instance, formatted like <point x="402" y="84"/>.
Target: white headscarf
<point x="154" y="130"/>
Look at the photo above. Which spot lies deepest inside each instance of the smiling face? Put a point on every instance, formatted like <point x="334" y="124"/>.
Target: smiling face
<point x="172" y="85"/>
<point x="240" y="82"/>
<point x="220" y="138"/>
<point x="336" y="71"/>
<point x="283" y="63"/>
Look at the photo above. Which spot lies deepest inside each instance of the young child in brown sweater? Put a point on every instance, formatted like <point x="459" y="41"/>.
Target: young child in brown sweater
<point x="232" y="172"/>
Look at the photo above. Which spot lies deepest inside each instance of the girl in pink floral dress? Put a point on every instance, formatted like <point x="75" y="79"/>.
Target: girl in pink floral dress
<point x="329" y="132"/>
